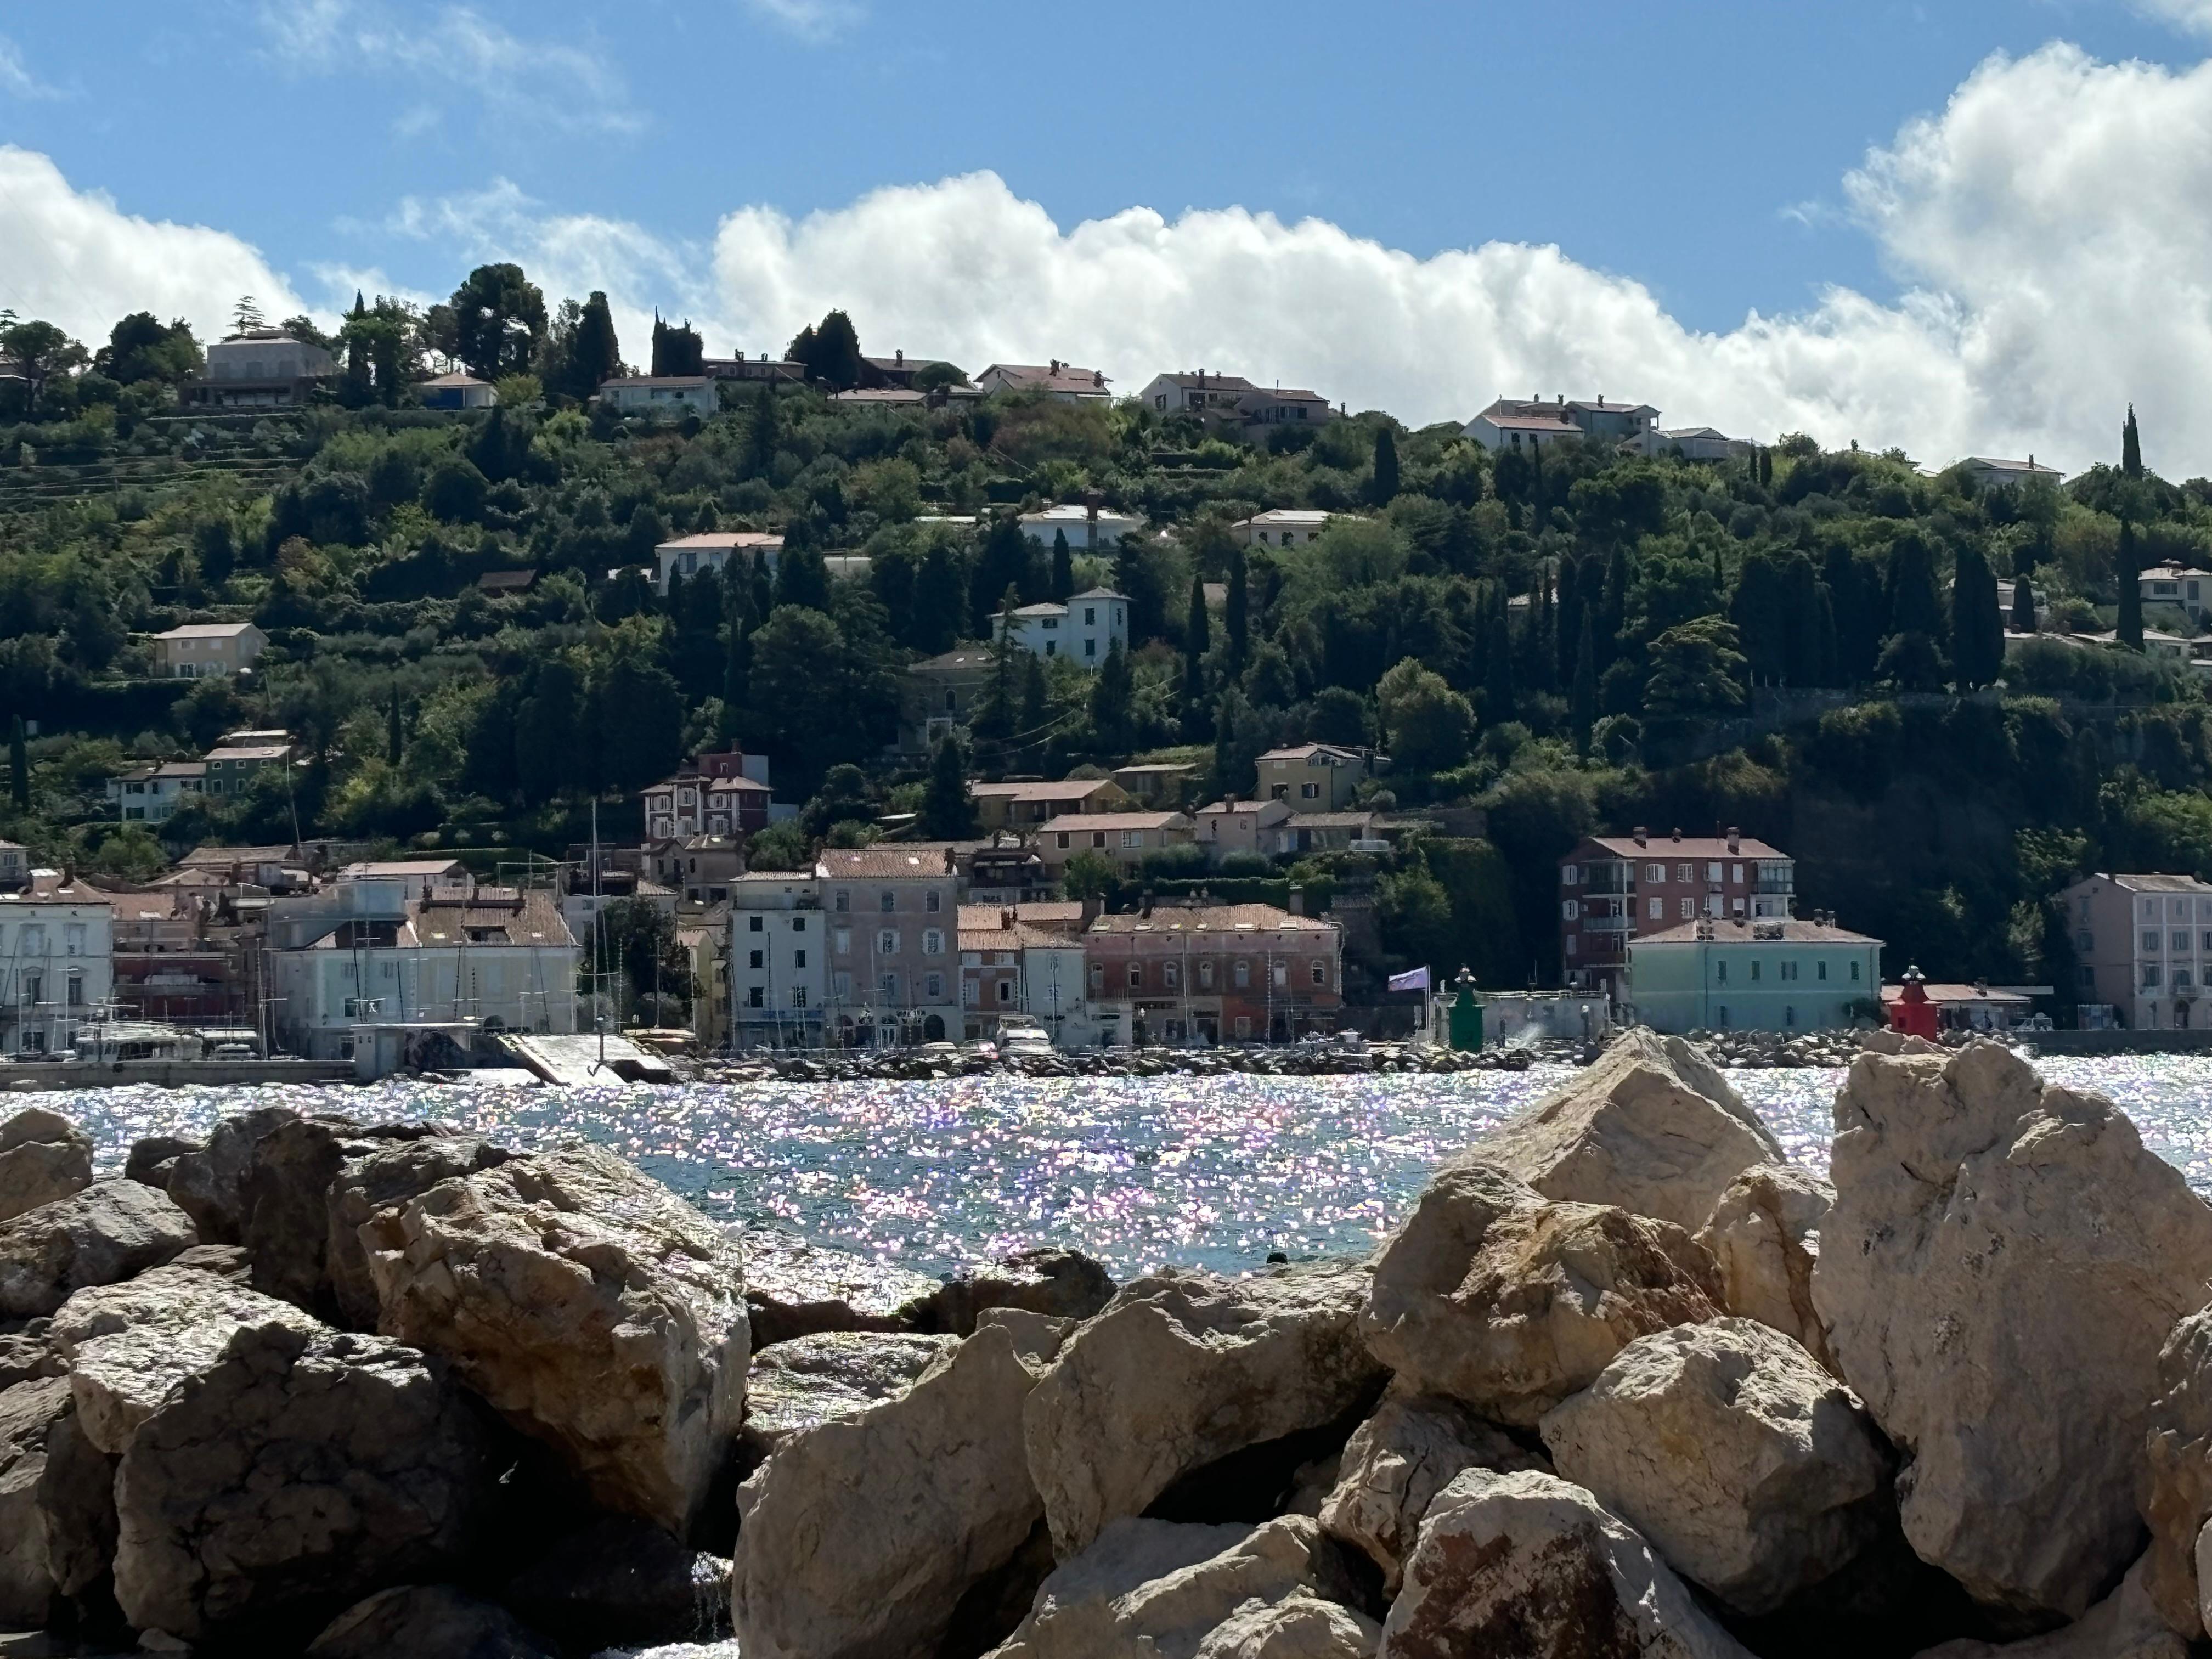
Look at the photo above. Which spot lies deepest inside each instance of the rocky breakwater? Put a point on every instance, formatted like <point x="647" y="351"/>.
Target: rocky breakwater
<point x="1301" y="1060"/>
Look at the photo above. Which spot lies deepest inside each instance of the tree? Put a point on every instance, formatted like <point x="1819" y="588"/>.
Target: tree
<point x="1111" y="696"/>
<point x="1088" y="875"/>
<point x="830" y="351"/>
<point x="1695" y="670"/>
<point x="1235" y="615"/>
<point x="1385" y="489"/>
<point x="948" y="811"/>
<point x="19" y="766"/>
<point x="40" y="351"/>
<point x="676" y="350"/>
<point x="1976" y="624"/>
<point x="1001" y="566"/>
<point x="2023" y="604"/>
<point x="1581" y="697"/>
<point x="1915" y="605"/>
<point x="637" y="716"/>
<point x="998" y="714"/>
<point x="2127" y="565"/>
<point x="546" y="758"/>
<point x="940" y="600"/>
<point x="1416" y="918"/>
<point x="1063" y="569"/>
<point x="639" y="937"/>
<point x="139" y="348"/>
<point x="1429" y="726"/>
<point x="499" y="321"/>
<point x="2131" y="464"/>
<point x="583" y="351"/>
<point x="1196" y="627"/>
<point x="395" y="730"/>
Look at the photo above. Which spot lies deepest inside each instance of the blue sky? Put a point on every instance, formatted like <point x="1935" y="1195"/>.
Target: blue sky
<point x="1698" y="153"/>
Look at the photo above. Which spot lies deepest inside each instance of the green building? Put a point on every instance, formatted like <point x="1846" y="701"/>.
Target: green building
<point x="1774" y="976"/>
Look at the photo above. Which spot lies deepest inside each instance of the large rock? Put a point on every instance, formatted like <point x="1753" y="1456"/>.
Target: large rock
<point x="109" y="1232"/>
<point x="26" y="1351"/>
<point x="210" y="1182"/>
<point x="809" y="1380"/>
<point x="2001" y="1266"/>
<point x="1059" y="1283"/>
<point x="427" y="1622"/>
<point x="798" y="1288"/>
<point x="591" y="1307"/>
<point x="1397" y="1462"/>
<point x="56" y="1504"/>
<point x="152" y="1159"/>
<point x="1513" y="1564"/>
<point x="127" y="1345"/>
<point x="2176" y="1483"/>
<point x="1750" y="1467"/>
<point x="1651" y="1128"/>
<point x="1157" y="1587"/>
<point x="622" y="1580"/>
<point x="285" y="1198"/>
<point x="1494" y="1296"/>
<point x="2125" y="1624"/>
<point x="296" y="1474"/>
<point x="1183" y="1369"/>
<point x="859" y="1538"/>
<point x="1764" y="1236"/>
<point x="43" y="1157"/>
<point x="387" y="1178"/>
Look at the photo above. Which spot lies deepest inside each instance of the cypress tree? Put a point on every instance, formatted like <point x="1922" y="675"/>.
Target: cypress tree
<point x="1386" y="467"/>
<point x="1196" y="627"/>
<point x="1036" y="705"/>
<point x="1544" y="646"/>
<point x="2131" y="447"/>
<point x="1977" y="626"/>
<point x="1569" y="627"/>
<point x="395" y="730"/>
<point x="1613" y="607"/>
<point x="1235" y="618"/>
<point x="19" y="767"/>
<point x="595" y="356"/>
<point x="948" y="811"/>
<point x="357" y="390"/>
<point x="1063" y="569"/>
<point x="1109" y="701"/>
<point x="996" y="715"/>
<point x="2130" y="567"/>
<point x="1582" y="702"/>
<point x="1497" y="682"/>
<point x="2023" y="604"/>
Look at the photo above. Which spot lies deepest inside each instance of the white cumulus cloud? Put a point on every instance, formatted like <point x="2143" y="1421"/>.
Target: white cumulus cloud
<point x="75" y="258"/>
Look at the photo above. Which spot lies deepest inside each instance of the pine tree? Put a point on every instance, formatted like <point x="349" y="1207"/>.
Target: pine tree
<point x="948" y="811"/>
<point x="2129" y="568"/>
<point x="1581" y="700"/>
<point x="1234" y="616"/>
<point x="2131" y="464"/>
<point x="2023" y="604"/>
<point x="19" y="767"/>
<point x="1063" y="569"/>
<point x="998" y="716"/>
<point x="1386" y="467"/>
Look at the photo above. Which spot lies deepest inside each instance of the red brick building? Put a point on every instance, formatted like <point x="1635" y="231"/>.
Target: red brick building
<point x="1220" y="973"/>
<point x="1616" y="887"/>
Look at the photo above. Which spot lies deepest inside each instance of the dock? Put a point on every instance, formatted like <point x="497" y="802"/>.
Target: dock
<point x="573" y="1062"/>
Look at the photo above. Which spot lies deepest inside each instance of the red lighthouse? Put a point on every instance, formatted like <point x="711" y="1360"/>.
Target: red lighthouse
<point x="1912" y="1014"/>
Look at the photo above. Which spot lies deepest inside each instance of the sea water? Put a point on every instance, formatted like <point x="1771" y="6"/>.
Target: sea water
<point x="1216" y="1172"/>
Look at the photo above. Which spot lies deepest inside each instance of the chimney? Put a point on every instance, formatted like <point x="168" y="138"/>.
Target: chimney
<point x="1005" y="919"/>
<point x="1734" y="840"/>
<point x="1297" y="900"/>
<point x="899" y="357"/>
<point x="1640" y="834"/>
<point x="1678" y="832"/>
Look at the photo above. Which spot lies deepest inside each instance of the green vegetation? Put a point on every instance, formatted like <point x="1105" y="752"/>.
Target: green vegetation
<point x="1807" y="644"/>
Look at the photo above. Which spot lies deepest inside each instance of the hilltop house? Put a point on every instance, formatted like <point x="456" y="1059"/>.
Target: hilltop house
<point x="1089" y="527"/>
<point x="1023" y="805"/>
<point x="2008" y="474"/>
<point x="1061" y="382"/>
<point x="660" y="394"/>
<point x="712" y="550"/>
<point x="1085" y="629"/>
<point x="1227" y="399"/>
<point x="258" y="368"/>
<point x="197" y="650"/>
<point x="1281" y="526"/>
<point x="1532" y="422"/>
<point x="149" y="794"/>
<point x="1313" y="777"/>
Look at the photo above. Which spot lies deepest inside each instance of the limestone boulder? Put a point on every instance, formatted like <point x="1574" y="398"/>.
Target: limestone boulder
<point x="2002" y="1264"/>
<point x="859" y="1537"/>
<point x="26" y="1352"/>
<point x="2125" y="1624"/>
<point x="1059" y="1283"/>
<point x="427" y="1621"/>
<point x="1496" y="1297"/>
<point x="2175" y="1486"/>
<point x="109" y="1232"/>
<point x="292" y="1476"/>
<point x="1182" y="1591"/>
<point x="1652" y="1129"/>
<point x="43" y="1157"/>
<point x="127" y="1345"/>
<point x="795" y="1287"/>
<point x="1751" y="1469"/>
<point x="284" y="1198"/>
<point x="1183" y="1369"/>
<point x="387" y="1177"/>
<point x="57" y="1506"/>
<point x="1398" y="1460"/>
<point x="834" y="1374"/>
<point x="152" y="1159"/>
<point x="1528" y="1564"/>
<point x="209" y="1181"/>
<point x="589" y="1306"/>
<point x="1764" y="1236"/>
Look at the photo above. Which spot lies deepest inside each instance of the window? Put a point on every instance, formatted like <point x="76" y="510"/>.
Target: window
<point x="840" y="941"/>
<point x="756" y="998"/>
<point x="933" y="900"/>
<point x="1789" y="1018"/>
<point x="1206" y="975"/>
<point x="2182" y="980"/>
<point x="1136" y="975"/>
<point x="1821" y="970"/>
<point x="1713" y="872"/>
<point x="933" y="987"/>
<point x="1170" y="975"/>
<point x="1280" y="972"/>
<point x="798" y="996"/>
<point x="1097" y="977"/>
<point x="1098" y="838"/>
<point x="1686" y="873"/>
<point x="2150" y="977"/>
<point x="756" y="959"/>
<point x="2179" y="939"/>
<point x="2086" y="943"/>
<point x="1712" y="904"/>
<point x="967" y="992"/>
<point x="1570" y="910"/>
<point x="1689" y="908"/>
<point x="1754" y="969"/>
<point x="73" y="938"/>
<point x="1061" y="836"/>
<point x="1320" y="971"/>
<point x="798" y="958"/>
<point x="841" y="987"/>
<point x="2088" y="979"/>
<point x="2178" y="908"/>
<point x="799" y="924"/>
<point x="841" y="900"/>
<point x="887" y="986"/>
<point x="1132" y="838"/>
<point x="754" y="924"/>
<point x="2150" y="907"/>
<point x="1656" y="909"/>
<point x="932" y="942"/>
<point x="1309" y="792"/>
<point x="1572" y="937"/>
<point x="887" y="901"/>
<point x="1855" y="971"/>
<point x="2150" y="941"/>
<point x="1091" y="647"/>
<point x="1720" y="972"/>
<point x="1051" y="646"/>
<point x="1089" y="615"/>
<point x="1570" y="874"/>
<point x="1735" y="875"/>
<point x="1244" y="1028"/>
<point x="1240" y="975"/>
<point x="887" y="942"/>
<point x="1655" y="873"/>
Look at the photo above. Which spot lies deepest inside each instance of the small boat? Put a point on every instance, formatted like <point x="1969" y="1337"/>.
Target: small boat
<point x="1023" y="1039"/>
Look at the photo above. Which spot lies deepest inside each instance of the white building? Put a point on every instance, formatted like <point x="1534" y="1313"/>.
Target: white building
<point x="1704" y="443"/>
<point x="1533" y="422"/>
<point x="1281" y="526"/>
<point x="1089" y="529"/>
<point x="1085" y="629"/>
<point x="2005" y="475"/>
<point x="779" y="960"/>
<point x="198" y="650"/>
<point x="2142" y="947"/>
<point x="150" y="793"/>
<point x="2186" y="589"/>
<point x="661" y="394"/>
<point x="380" y="951"/>
<point x="687" y="556"/>
<point x="1231" y="398"/>
<point x="57" y="961"/>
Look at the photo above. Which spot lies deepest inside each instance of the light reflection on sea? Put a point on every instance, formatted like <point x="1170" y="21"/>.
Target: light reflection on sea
<point x="1213" y="1171"/>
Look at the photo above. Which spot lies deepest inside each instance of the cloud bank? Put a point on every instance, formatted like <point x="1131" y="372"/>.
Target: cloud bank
<point x="2047" y="229"/>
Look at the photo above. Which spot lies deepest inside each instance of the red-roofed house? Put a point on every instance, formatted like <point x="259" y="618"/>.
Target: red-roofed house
<point x="1616" y="887"/>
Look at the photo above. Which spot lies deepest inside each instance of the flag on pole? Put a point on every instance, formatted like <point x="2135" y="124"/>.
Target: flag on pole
<point x="1418" y="980"/>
